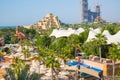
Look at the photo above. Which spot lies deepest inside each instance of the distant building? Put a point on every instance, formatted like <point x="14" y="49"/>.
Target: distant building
<point x="47" y="22"/>
<point x="86" y="14"/>
<point x="99" y="20"/>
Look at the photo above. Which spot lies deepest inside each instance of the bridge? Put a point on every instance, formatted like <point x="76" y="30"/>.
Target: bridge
<point x="85" y="69"/>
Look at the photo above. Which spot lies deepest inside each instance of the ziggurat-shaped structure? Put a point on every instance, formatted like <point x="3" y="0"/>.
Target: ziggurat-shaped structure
<point x="47" y="22"/>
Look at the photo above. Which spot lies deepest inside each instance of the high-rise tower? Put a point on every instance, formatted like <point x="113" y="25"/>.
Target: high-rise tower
<point x="84" y="13"/>
<point x="88" y="15"/>
<point x="97" y="10"/>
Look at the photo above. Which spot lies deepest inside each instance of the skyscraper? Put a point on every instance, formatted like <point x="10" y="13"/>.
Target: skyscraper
<point x="97" y="9"/>
<point x="84" y="9"/>
<point x="86" y="14"/>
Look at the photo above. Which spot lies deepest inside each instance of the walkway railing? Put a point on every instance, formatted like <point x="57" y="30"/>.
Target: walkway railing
<point x="111" y="78"/>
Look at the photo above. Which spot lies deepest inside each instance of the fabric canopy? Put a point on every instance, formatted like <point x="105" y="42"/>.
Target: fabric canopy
<point x="65" y="33"/>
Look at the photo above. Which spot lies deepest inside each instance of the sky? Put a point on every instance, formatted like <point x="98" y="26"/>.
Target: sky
<point x="26" y="12"/>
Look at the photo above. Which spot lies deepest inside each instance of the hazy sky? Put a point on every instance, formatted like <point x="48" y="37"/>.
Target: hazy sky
<point x="25" y="12"/>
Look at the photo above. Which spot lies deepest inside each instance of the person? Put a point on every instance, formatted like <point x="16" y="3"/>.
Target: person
<point x="79" y="59"/>
<point x="64" y="61"/>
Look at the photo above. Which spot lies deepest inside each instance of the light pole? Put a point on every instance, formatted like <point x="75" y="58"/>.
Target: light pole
<point x="100" y="53"/>
<point x="113" y="69"/>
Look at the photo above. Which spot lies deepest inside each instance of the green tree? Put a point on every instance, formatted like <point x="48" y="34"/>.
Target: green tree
<point x="7" y="39"/>
<point x="114" y="52"/>
<point x="52" y="62"/>
<point x="67" y="52"/>
<point x="43" y="41"/>
<point x="62" y="49"/>
<point x="26" y="53"/>
<point x="75" y="42"/>
<point x="98" y="42"/>
<point x="17" y="68"/>
<point x="30" y="33"/>
<point x="41" y="50"/>
<point x="14" y="40"/>
<point x="58" y="45"/>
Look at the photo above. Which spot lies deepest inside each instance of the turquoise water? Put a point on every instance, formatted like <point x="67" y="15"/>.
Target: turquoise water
<point x="7" y="26"/>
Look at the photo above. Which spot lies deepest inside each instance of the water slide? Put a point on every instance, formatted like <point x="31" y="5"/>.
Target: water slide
<point x="86" y="69"/>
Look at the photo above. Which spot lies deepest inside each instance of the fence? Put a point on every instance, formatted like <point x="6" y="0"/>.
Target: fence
<point x="111" y="78"/>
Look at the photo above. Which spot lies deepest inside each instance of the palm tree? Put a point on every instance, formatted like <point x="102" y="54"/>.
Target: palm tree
<point x="98" y="42"/>
<point x="26" y="53"/>
<point x="25" y="48"/>
<point x="52" y="62"/>
<point x="83" y="36"/>
<point x="17" y="68"/>
<point x="62" y="49"/>
<point x="114" y="52"/>
<point x="20" y="71"/>
<point x="74" y="41"/>
<point x="27" y="43"/>
<point x="41" y="56"/>
<point x="14" y="39"/>
<point x="66" y="53"/>
<point x="101" y="41"/>
<point x="40" y="49"/>
<point x="43" y="41"/>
